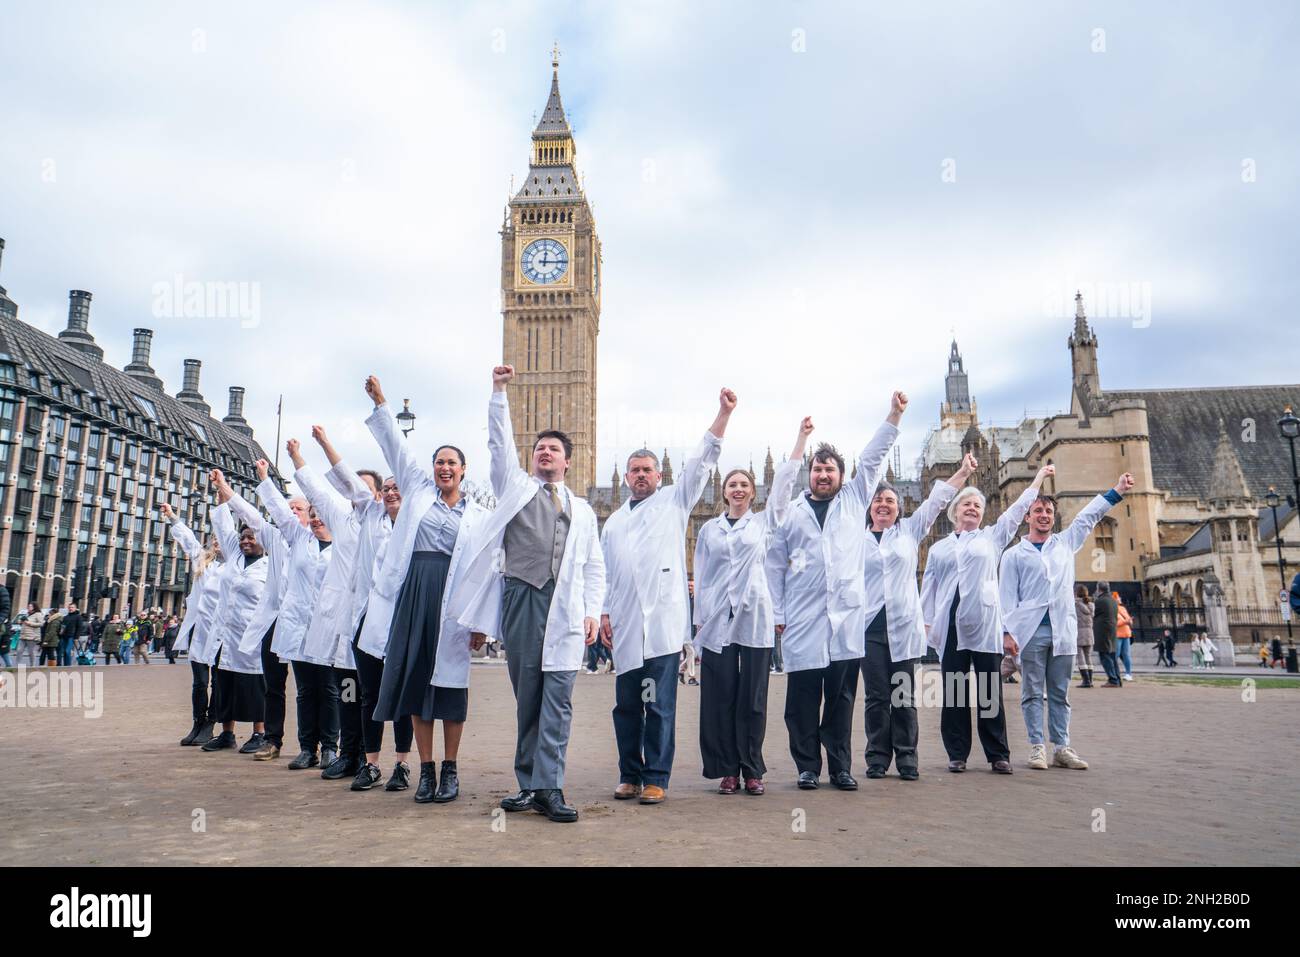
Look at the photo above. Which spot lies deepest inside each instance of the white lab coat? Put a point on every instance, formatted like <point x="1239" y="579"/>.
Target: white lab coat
<point x="890" y="578"/>
<point x="201" y="602"/>
<point x="328" y="641"/>
<point x="816" y="574"/>
<point x="969" y="561"/>
<point x="580" y="589"/>
<point x="242" y="585"/>
<point x="645" y="565"/>
<point x="732" y="603"/>
<point x="471" y="559"/>
<point x="1037" y="582"/>
<point x="376" y="528"/>
<point x="305" y="572"/>
<point x="277" y="572"/>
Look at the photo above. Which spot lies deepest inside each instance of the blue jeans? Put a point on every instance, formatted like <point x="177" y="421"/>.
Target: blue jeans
<point x="1121" y="652"/>
<point x="1110" y="665"/>
<point x="124" y="653"/>
<point x="645" y="721"/>
<point x="65" y="652"/>
<point x="1040" y="668"/>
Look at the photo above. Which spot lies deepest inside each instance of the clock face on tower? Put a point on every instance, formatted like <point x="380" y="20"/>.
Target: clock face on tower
<point x="544" y="261"/>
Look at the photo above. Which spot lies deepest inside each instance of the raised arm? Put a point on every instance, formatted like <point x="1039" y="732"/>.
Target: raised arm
<point x="918" y="524"/>
<point x="401" y="461"/>
<point x="223" y="526"/>
<point x="872" y="460"/>
<point x="1079" y="530"/>
<point x="780" y="496"/>
<point x="286" y="522"/>
<point x="501" y="436"/>
<point x="181" y="533"/>
<point x="329" y="504"/>
<point x="1008" y="522"/>
<point x="697" y="469"/>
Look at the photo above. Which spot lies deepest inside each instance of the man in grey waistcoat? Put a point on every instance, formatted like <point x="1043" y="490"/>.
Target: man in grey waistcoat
<point x="544" y="602"/>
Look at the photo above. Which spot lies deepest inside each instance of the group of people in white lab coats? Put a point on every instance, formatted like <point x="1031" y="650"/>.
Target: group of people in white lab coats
<point x="375" y="591"/>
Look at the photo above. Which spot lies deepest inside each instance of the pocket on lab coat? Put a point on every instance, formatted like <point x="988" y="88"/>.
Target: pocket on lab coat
<point x="668" y="585"/>
<point x="850" y="593"/>
<point x="989" y="593"/>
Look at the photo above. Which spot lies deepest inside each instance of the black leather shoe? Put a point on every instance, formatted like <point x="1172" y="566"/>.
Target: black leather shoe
<point x="400" y="779"/>
<point x="305" y="759"/>
<point x="551" y="803"/>
<point x="956" y="767"/>
<point x="875" y="771"/>
<point x="328" y="756"/>
<point x="808" y="781"/>
<point x="226" y="739"/>
<point x="448" y="784"/>
<point x="844" y="781"/>
<point x="428" y="786"/>
<point x="204" y="735"/>
<point x="367" y="777"/>
<point x="188" y="740"/>
<point x="254" y="743"/>
<point x="1001" y="767"/>
<point x="908" y="774"/>
<point x="520" y="801"/>
<point x="344" y="766"/>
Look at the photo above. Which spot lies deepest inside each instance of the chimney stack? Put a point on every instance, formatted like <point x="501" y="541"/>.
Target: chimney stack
<point x="139" y="368"/>
<point x="235" y="416"/>
<point x="8" y="308"/>
<point x="77" y="335"/>
<point x="190" y="394"/>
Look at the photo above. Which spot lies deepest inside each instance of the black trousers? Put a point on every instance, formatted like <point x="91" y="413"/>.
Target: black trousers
<point x="370" y="675"/>
<point x="831" y="691"/>
<point x="889" y="688"/>
<point x="990" y="716"/>
<point x="733" y="711"/>
<point x="318" y="706"/>
<point x="276" y="673"/>
<point x="349" y="712"/>
<point x="205" y="709"/>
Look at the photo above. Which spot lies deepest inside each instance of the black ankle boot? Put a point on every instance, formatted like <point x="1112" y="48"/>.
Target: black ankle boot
<point x="428" y="786"/>
<point x="188" y="740"/>
<point x="449" y="785"/>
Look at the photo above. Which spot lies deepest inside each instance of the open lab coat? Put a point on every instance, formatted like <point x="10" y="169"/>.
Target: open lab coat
<point x="580" y="589"/>
<point x="201" y="602"/>
<point x="645" y="565"/>
<point x="815" y="574"/>
<point x="469" y="571"/>
<point x="1038" y="582"/>
<point x="328" y="642"/>
<point x="242" y="586"/>
<point x="303" y="573"/>
<point x="375" y="530"/>
<point x="732" y="603"/>
<point x="890" y="578"/>
<point x="969" y="562"/>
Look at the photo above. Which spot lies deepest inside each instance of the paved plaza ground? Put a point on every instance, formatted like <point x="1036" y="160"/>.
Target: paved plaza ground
<point x="1182" y="773"/>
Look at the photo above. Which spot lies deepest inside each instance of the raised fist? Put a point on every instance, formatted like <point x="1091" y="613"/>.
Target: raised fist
<point x="727" y="400"/>
<point x="318" y="433"/>
<point x="1125" y="483"/>
<point x="263" y="468"/>
<point x="806" y="426"/>
<point x="502" y="374"/>
<point x="374" y="391"/>
<point x="898" y="403"/>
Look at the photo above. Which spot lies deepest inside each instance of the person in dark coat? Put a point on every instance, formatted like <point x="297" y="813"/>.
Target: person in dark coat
<point x="1105" y="620"/>
<point x="112" y="640"/>
<point x="69" y="631"/>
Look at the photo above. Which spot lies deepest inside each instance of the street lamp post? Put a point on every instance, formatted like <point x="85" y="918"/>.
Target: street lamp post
<point x="1289" y="426"/>
<point x="1273" y="500"/>
<point x="406" y="418"/>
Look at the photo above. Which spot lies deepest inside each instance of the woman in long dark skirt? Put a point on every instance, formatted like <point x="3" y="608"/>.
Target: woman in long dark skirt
<point x="426" y="657"/>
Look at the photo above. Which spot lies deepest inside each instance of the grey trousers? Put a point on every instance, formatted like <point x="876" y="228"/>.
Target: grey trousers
<point x="543" y="699"/>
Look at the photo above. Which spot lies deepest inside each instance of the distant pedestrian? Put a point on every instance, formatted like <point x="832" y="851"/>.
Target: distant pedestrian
<point x="112" y="640"/>
<point x="1207" y="650"/>
<point x="1276" y="645"/>
<point x="31" y="631"/>
<point x="1123" y="637"/>
<point x="1083" y="610"/>
<point x="1170" y="641"/>
<point x="1105" y="619"/>
<point x="1198" y="657"/>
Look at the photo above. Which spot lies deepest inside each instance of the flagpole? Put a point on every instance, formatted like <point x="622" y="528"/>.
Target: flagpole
<point x="279" y="417"/>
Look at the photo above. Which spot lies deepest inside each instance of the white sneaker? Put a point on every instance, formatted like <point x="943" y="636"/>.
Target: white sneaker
<point x="1066" y="758"/>
<point x="1128" y="677"/>
<point x="1038" y="757"/>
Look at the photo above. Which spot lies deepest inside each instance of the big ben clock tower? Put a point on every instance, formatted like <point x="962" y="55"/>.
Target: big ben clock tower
<point x="550" y="297"/>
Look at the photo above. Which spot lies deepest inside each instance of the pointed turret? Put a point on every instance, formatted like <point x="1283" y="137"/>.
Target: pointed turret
<point x="769" y="469"/>
<point x="1227" y="480"/>
<point x="667" y="471"/>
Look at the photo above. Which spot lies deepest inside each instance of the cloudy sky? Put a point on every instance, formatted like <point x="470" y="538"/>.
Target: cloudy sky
<point x="802" y="200"/>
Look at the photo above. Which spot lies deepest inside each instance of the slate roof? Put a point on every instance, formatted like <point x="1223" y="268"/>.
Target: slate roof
<point x="172" y="423"/>
<point x="1184" y="430"/>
